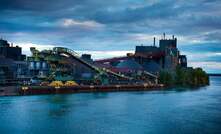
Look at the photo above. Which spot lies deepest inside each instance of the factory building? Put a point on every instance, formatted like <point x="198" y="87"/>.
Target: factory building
<point x="164" y="57"/>
<point x="64" y="64"/>
<point x="7" y="70"/>
<point x="11" y="52"/>
<point x="13" y="67"/>
<point x="152" y="59"/>
<point x="165" y="43"/>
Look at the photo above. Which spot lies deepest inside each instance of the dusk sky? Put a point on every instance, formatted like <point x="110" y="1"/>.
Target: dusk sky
<point x="116" y="26"/>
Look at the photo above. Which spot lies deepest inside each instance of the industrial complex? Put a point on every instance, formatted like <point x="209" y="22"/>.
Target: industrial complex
<point x="65" y="65"/>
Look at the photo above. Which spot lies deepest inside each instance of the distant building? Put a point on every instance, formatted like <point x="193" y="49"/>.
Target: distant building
<point x="7" y="70"/>
<point x="13" y="66"/>
<point x="168" y="43"/>
<point x="166" y="56"/>
<point x="146" y="49"/>
<point x="11" y="52"/>
<point x="153" y="59"/>
<point x="150" y="57"/>
<point x="63" y="64"/>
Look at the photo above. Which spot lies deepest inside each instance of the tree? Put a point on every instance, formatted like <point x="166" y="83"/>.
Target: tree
<point x="184" y="77"/>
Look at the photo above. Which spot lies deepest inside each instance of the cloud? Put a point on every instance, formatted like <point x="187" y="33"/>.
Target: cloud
<point x="137" y="13"/>
<point x="202" y="47"/>
<point x="73" y="23"/>
<point x="205" y="57"/>
<point x="209" y="66"/>
<point x="38" y="5"/>
<point x="142" y="37"/>
<point x="98" y="25"/>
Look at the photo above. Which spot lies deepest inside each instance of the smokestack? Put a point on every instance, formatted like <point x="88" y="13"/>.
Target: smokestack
<point x="164" y="36"/>
<point x="154" y="41"/>
<point x="173" y="37"/>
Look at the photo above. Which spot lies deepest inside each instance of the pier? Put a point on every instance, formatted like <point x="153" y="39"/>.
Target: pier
<point x="37" y="90"/>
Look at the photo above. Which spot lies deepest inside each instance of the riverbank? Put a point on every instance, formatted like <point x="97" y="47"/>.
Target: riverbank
<point x="37" y="90"/>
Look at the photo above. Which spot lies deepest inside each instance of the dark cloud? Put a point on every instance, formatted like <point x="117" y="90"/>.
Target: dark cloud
<point x="133" y="14"/>
<point x="36" y="5"/>
<point x="214" y="36"/>
<point x="112" y="25"/>
<point x="182" y="17"/>
<point x="213" y="59"/>
<point x="202" y="47"/>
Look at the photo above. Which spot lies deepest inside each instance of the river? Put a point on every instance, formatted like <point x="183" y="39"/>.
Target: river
<point x="173" y="111"/>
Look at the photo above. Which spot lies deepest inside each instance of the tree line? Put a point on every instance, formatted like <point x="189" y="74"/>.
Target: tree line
<point x="185" y="77"/>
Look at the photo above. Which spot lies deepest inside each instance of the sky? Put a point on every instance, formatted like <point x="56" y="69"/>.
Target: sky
<point x="112" y="28"/>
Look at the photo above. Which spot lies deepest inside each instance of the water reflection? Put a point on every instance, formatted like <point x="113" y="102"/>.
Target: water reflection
<point x="103" y="95"/>
<point x="60" y="105"/>
<point x="178" y="110"/>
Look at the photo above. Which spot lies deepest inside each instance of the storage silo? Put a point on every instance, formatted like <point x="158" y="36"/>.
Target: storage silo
<point x="32" y="65"/>
<point x="38" y="65"/>
<point x="44" y="65"/>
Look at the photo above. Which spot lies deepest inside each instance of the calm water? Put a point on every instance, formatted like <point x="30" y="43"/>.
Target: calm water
<point x="168" y="112"/>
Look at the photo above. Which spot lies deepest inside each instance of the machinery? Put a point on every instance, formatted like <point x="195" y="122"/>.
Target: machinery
<point x="63" y="64"/>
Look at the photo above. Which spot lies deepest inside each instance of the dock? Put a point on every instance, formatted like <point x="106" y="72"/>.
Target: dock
<point x="39" y="90"/>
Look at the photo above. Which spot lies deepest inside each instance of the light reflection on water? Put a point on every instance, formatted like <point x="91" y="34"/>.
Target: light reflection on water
<point x="172" y="111"/>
